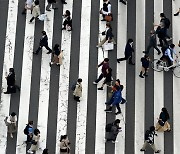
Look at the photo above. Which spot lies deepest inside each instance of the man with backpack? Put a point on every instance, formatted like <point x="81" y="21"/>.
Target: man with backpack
<point x="112" y="130"/>
<point x="29" y="130"/>
<point x="149" y="140"/>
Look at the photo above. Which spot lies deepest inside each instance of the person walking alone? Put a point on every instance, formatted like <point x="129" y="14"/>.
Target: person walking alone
<point x="64" y="145"/>
<point x="128" y="52"/>
<point x="105" y="66"/>
<point x="149" y="140"/>
<point x="163" y="124"/>
<point x="78" y="90"/>
<point x="11" y="123"/>
<point x="145" y="66"/>
<point x="43" y="43"/>
<point x="35" y="10"/>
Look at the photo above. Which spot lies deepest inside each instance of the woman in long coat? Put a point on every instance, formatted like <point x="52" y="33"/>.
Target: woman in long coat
<point x="163" y="124"/>
<point x="11" y="123"/>
<point x="36" y="10"/>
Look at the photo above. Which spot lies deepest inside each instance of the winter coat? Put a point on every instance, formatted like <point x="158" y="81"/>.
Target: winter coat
<point x="44" y="40"/>
<point x="113" y="133"/>
<point x="11" y="123"/>
<point x="36" y="10"/>
<point x="34" y="147"/>
<point x="64" y="144"/>
<point x="128" y="50"/>
<point x="11" y="79"/>
<point x="116" y="98"/>
<point x="78" y="90"/>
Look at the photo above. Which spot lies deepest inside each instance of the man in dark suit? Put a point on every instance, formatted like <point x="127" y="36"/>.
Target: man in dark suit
<point x="128" y="52"/>
<point x="152" y="43"/>
<point x="43" y="43"/>
<point x="109" y="35"/>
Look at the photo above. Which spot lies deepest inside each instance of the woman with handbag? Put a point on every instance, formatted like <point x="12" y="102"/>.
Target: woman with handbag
<point x="11" y="123"/>
<point x="67" y="24"/>
<point x="162" y="124"/>
<point x="64" y="145"/>
<point x="106" y="11"/>
<point x="56" y="52"/>
<point x="35" y="141"/>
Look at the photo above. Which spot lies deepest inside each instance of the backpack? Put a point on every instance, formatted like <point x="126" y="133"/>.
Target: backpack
<point x="108" y="127"/>
<point x="26" y="130"/>
<point x="73" y="87"/>
<point x="167" y="23"/>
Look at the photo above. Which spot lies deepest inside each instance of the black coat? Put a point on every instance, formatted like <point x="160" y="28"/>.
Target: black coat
<point x="11" y="79"/>
<point x="128" y="50"/>
<point x="109" y="34"/>
<point x="152" y="40"/>
<point x="44" y="40"/>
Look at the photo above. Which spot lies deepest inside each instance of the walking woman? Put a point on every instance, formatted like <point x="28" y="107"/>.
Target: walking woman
<point x="162" y="124"/>
<point x="56" y="52"/>
<point x="67" y="24"/>
<point x="64" y="145"/>
<point x="11" y="123"/>
<point x="35" y="141"/>
<point x="35" y="10"/>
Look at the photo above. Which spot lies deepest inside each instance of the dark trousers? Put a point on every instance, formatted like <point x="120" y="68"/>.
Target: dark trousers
<point x="32" y="19"/>
<point x="152" y="46"/>
<point x="126" y="58"/>
<point x="163" y="41"/>
<point x="40" y="48"/>
<point x="76" y="98"/>
<point x="118" y="108"/>
<point x="99" y="78"/>
<point x="67" y="23"/>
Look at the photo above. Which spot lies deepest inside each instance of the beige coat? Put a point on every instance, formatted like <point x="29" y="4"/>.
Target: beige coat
<point x="164" y="128"/>
<point x="64" y="144"/>
<point x="36" y="10"/>
<point x="78" y="90"/>
<point x="61" y="57"/>
<point x="36" y="139"/>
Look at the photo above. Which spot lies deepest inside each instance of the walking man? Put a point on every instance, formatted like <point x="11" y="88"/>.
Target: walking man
<point x="43" y="43"/>
<point x="152" y="43"/>
<point x="51" y="2"/>
<point x="128" y="52"/>
<point x="149" y="140"/>
<point x="105" y="66"/>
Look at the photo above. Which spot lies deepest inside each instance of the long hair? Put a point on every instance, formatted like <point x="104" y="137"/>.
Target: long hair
<point x="164" y="110"/>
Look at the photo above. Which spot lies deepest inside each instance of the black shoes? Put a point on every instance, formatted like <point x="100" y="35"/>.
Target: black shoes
<point x="48" y="52"/>
<point x="158" y="151"/>
<point x="108" y="110"/>
<point x="6" y="92"/>
<point x="123" y="2"/>
<point x="117" y="113"/>
<point x="118" y="61"/>
<point x="176" y="14"/>
<point x="142" y="150"/>
<point x="101" y="88"/>
<point x="64" y="2"/>
<point x="141" y="76"/>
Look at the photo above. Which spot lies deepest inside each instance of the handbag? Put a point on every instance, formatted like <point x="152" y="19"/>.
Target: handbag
<point x="108" y="18"/>
<point x="108" y="46"/>
<point x="161" y="123"/>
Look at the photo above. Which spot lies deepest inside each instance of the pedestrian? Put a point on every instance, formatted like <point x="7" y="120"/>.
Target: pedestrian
<point x="29" y="130"/>
<point x="28" y="6"/>
<point x="128" y="52"/>
<point x="51" y="2"/>
<point x="61" y="57"/>
<point x="11" y="123"/>
<point x="149" y="140"/>
<point x="35" y="10"/>
<point x="63" y="1"/>
<point x="108" y="78"/>
<point x="145" y="66"/>
<point x="123" y="1"/>
<point x="64" y="145"/>
<point x="106" y="10"/>
<point x="177" y="13"/>
<point x="11" y="87"/>
<point x="163" y="124"/>
<point x="78" y="90"/>
<point x="105" y="66"/>
<point x="45" y="151"/>
<point x="55" y="53"/>
<point x="114" y="101"/>
<point x="112" y="130"/>
<point x="152" y="43"/>
<point x="43" y="43"/>
<point x="113" y="89"/>
<point x="109" y="35"/>
<point x="35" y="141"/>
<point x="67" y="24"/>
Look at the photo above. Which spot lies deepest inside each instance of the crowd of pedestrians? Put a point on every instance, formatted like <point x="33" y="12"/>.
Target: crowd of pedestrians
<point x="115" y="91"/>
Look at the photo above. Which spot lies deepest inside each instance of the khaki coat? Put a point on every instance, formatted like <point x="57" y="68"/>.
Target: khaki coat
<point x="78" y="90"/>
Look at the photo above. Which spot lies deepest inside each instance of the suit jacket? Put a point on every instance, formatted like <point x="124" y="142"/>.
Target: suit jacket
<point x="128" y="50"/>
<point x="44" y="40"/>
<point x="109" y="34"/>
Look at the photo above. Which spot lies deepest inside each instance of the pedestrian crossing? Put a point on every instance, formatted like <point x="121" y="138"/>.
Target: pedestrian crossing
<point x="46" y="96"/>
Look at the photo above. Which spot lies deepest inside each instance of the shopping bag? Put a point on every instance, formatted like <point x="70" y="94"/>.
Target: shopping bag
<point x="42" y="17"/>
<point x="108" y="46"/>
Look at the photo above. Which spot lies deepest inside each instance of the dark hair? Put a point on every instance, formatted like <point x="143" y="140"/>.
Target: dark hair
<point x="36" y="2"/>
<point x="106" y="59"/>
<point x="30" y="122"/>
<point x="67" y="13"/>
<point x="13" y="114"/>
<point x="110" y="70"/>
<point x="36" y="131"/>
<point x="118" y="81"/>
<point x="56" y="46"/>
<point x="108" y="24"/>
<point x="45" y="151"/>
<point x="164" y="110"/>
<point x="146" y="56"/>
<point x="172" y="46"/>
<point x="79" y="80"/>
<point x="43" y="32"/>
<point x="63" y="137"/>
<point x="130" y="40"/>
<point x="162" y="15"/>
<point x="11" y="70"/>
<point x="152" y="128"/>
<point x="117" y="121"/>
